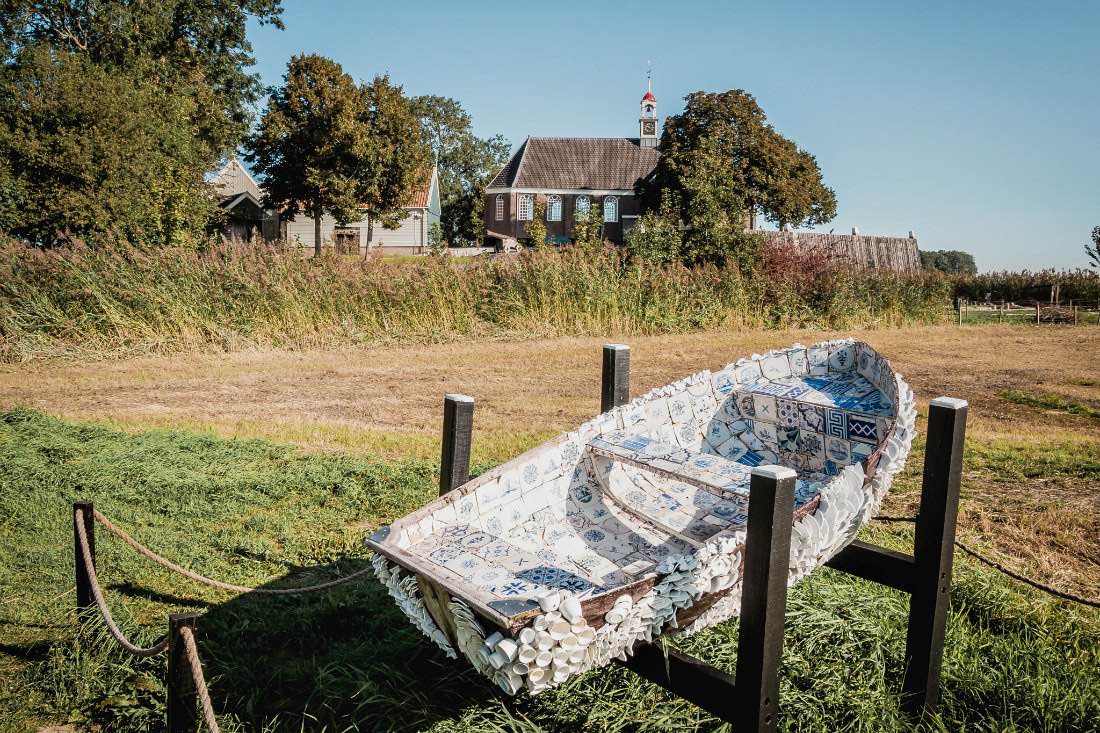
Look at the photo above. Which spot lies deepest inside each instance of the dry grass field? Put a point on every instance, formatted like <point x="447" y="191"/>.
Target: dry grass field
<point x="1032" y="484"/>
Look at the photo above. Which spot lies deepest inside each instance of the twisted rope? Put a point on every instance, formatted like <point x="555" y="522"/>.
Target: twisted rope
<point x="163" y="562"/>
<point x="97" y="593"/>
<point x="192" y="651"/>
<point x="1002" y="569"/>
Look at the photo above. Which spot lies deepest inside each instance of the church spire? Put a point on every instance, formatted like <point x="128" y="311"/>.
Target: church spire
<point x="647" y="123"/>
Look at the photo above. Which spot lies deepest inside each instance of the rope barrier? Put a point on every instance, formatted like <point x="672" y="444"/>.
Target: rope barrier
<point x="192" y="651"/>
<point x="1001" y="568"/>
<point x="97" y="593"/>
<point x="163" y="562"/>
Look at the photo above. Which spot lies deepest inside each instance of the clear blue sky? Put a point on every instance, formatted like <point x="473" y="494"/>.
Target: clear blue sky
<point x="975" y="124"/>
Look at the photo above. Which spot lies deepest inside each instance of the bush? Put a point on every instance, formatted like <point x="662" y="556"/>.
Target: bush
<point x="130" y="300"/>
<point x="1077" y="285"/>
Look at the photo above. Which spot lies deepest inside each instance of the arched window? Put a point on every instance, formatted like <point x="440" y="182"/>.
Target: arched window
<point x="553" y="208"/>
<point x="611" y="209"/>
<point x="526" y="207"/>
<point x="584" y="205"/>
<point x="500" y="208"/>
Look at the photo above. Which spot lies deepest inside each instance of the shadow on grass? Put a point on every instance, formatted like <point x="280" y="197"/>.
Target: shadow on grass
<point x="345" y="658"/>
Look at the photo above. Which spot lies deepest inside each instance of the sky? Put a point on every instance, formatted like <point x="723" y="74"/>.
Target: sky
<point x="975" y="125"/>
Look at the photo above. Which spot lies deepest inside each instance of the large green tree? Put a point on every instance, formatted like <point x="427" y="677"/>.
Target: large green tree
<point x="327" y="145"/>
<point x="951" y="261"/>
<point x="466" y="165"/>
<point x="112" y="111"/>
<point x="726" y="136"/>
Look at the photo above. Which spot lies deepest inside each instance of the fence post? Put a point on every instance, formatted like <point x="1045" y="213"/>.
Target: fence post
<point x="764" y="598"/>
<point x="183" y="715"/>
<point x="615" y="377"/>
<point x="1036" y="313"/>
<point x="458" y="427"/>
<point x="84" y="511"/>
<point x="933" y="552"/>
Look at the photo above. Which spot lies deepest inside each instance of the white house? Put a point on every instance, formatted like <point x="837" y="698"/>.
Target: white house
<point x="410" y="237"/>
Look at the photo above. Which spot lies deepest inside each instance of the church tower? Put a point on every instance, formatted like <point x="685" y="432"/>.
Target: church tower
<point x="647" y="124"/>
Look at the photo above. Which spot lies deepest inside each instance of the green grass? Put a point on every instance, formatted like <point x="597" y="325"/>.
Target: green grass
<point x="1048" y="401"/>
<point x="254" y="512"/>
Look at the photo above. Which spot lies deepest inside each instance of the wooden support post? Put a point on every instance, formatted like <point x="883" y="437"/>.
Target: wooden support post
<point x="933" y="552"/>
<point x="763" y="598"/>
<point x="458" y="427"/>
<point x="183" y="714"/>
<point x="1036" y="313"/>
<point x="615" y="381"/>
<point x="84" y="511"/>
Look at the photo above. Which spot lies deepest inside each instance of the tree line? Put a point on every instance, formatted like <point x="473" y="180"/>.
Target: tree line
<point x="113" y="113"/>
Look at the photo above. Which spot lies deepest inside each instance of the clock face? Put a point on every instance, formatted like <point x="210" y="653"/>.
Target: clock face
<point x="649" y="127"/>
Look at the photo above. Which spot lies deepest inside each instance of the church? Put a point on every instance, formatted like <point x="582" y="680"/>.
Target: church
<point x="569" y="175"/>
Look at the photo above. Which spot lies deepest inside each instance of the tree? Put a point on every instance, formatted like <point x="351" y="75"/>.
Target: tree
<point x="759" y="169"/>
<point x="588" y="226"/>
<point x="950" y="261"/>
<point x="310" y="141"/>
<point x="391" y="158"/>
<point x="1093" y="250"/>
<point x="656" y="237"/>
<point x="536" y="228"/>
<point x="112" y="111"/>
<point x="466" y="164"/>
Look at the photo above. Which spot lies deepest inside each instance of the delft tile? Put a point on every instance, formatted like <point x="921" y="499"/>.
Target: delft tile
<point x="832" y="469"/>
<point x="864" y="359"/>
<point x="465" y="508"/>
<point x="775" y="367"/>
<point x="811" y="417"/>
<point x="770" y="388"/>
<point x="767" y="432"/>
<point x="861" y="452"/>
<point x="530" y="475"/>
<point x="582" y="493"/>
<point x="752" y="458"/>
<point x="723" y="382"/>
<point x="798" y="361"/>
<point x="811" y="443"/>
<point x="489" y="575"/>
<point x="842" y="358"/>
<point x="862" y="428"/>
<point x="787" y="412"/>
<point x="570" y="453"/>
<point x="787" y="438"/>
<point x="493" y="525"/>
<point x="577" y="520"/>
<point x="679" y="406"/>
<point x="512" y="588"/>
<point x="511" y="484"/>
<point x="464" y="564"/>
<point x="705" y="500"/>
<point x="688" y="437"/>
<point x="817" y="356"/>
<point x="518" y="561"/>
<point x="427" y="525"/>
<point x="703" y="406"/>
<point x="488" y="495"/>
<point x="445" y="516"/>
<point x="764" y="408"/>
<point x="733" y="449"/>
<point x="656" y="412"/>
<point x="511" y="515"/>
<point x="836" y="423"/>
<point x="739" y="426"/>
<point x="769" y="457"/>
<point x="746" y="406"/>
<point x="575" y="583"/>
<point x="614" y="526"/>
<point x="838" y="450"/>
<point x="700" y="530"/>
<point x="747" y="372"/>
<point x="676" y="521"/>
<point x="794" y="391"/>
<point x="453" y="532"/>
<point x="443" y="553"/>
<point x="752" y="441"/>
<point x="718" y="433"/>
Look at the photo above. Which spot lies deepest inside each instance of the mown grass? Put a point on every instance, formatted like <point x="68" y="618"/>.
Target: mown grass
<point x="127" y="300"/>
<point x="254" y="512"/>
<point x="1048" y="401"/>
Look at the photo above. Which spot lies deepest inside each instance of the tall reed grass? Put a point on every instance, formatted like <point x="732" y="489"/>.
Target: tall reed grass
<point x="129" y="300"/>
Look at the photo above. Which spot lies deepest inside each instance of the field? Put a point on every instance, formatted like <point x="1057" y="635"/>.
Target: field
<point x="258" y="465"/>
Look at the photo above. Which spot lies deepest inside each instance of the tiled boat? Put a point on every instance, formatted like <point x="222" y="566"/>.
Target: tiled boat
<point x="634" y="524"/>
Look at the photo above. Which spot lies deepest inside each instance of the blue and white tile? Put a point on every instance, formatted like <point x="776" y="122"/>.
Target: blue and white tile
<point x="842" y="358"/>
<point x="838" y="450"/>
<point x="775" y="367"/>
<point x="723" y="382"/>
<point x="786" y="412"/>
<point x="747" y="372"/>
<point x="836" y="423"/>
<point x="465" y="508"/>
<point x="679" y="407"/>
<point x="863" y="428"/>
<point x="767" y="432"/>
<point x="798" y="360"/>
<point x="811" y="443"/>
<point x="764" y="408"/>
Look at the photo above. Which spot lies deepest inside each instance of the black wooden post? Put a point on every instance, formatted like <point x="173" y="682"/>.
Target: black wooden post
<point x="183" y="715"/>
<point x="933" y="552"/>
<point x="763" y="598"/>
<point x="458" y="426"/>
<point x="615" y="381"/>
<point x="84" y="511"/>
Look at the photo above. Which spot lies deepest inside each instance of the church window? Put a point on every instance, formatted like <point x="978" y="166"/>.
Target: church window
<point x="611" y="209"/>
<point x="553" y="208"/>
<point x="584" y="203"/>
<point x="500" y="208"/>
<point x="526" y="207"/>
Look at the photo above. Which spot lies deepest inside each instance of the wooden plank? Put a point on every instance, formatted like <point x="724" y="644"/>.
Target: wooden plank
<point x="437" y="601"/>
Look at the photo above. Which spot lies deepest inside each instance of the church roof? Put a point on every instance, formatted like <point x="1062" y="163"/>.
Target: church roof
<point x="598" y="163"/>
<point x="649" y="97"/>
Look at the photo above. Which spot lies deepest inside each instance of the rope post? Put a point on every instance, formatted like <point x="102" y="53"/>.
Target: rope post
<point x="933" y="553"/>
<point x="764" y="598"/>
<point x="84" y="511"/>
<point x="615" y="376"/>
<point x="458" y="428"/>
<point x="182" y="696"/>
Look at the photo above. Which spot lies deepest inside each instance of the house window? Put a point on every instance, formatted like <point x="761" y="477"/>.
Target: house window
<point x="611" y="209"/>
<point x="584" y="204"/>
<point x="526" y="207"/>
<point x="500" y="208"/>
<point x="553" y="208"/>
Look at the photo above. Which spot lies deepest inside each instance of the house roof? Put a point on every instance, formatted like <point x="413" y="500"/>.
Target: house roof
<point x="422" y="195"/>
<point x="598" y="163"/>
<point x="233" y="180"/>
